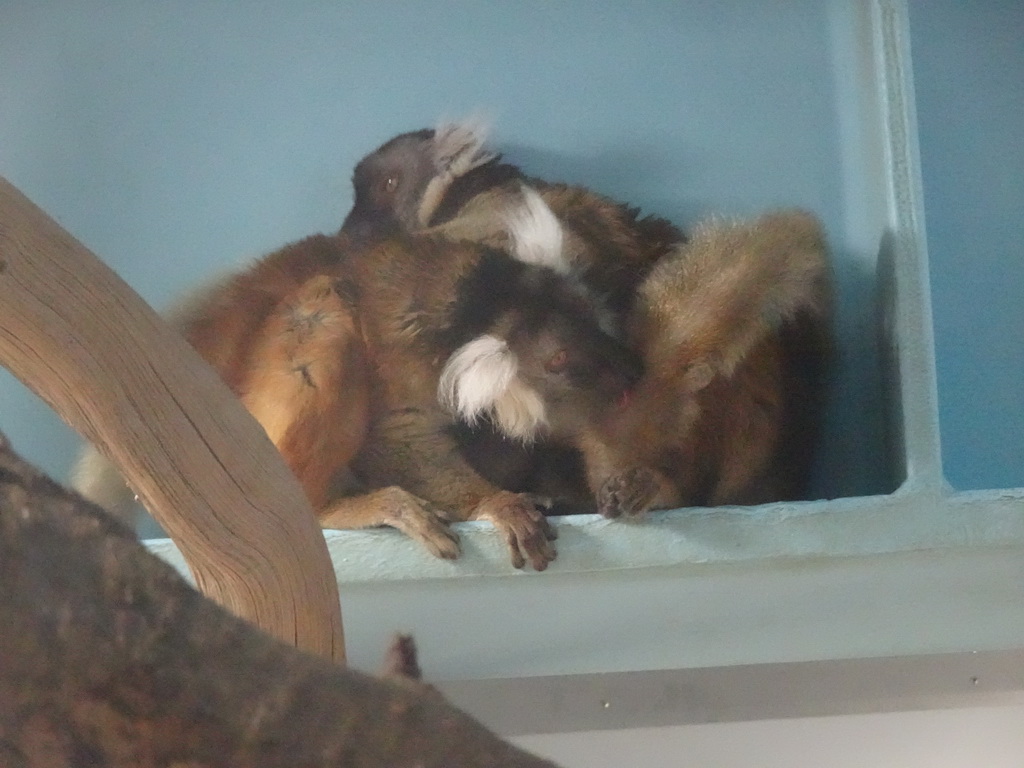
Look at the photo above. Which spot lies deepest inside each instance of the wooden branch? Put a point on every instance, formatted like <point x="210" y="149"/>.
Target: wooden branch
<point x="109" y="658"/>
<point x="79" y="337"/>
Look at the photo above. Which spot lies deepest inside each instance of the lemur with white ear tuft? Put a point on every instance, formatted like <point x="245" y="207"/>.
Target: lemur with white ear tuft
<point x="447" y="181"/>
<point x="400" y="185"/>
<point x="458" y="330"/>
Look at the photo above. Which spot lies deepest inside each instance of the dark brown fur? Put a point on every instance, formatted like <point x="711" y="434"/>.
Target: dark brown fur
<point x="730" y="408"/>
<point x="610" y="247"/>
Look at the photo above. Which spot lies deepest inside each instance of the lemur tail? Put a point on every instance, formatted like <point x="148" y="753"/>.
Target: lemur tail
<point x="715" y="297"/>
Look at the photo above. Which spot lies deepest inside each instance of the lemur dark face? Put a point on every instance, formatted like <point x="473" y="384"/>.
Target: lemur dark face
<point x="398" y="186"/>
<point x="389" y="185"/>
<point x="537" y="362"/>
<point x="578" y="370"/>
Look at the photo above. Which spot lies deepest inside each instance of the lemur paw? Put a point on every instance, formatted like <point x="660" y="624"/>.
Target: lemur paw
<point x="422" y="521"/>
<point x="629" y="493"/>
<point x="519" y="517"/>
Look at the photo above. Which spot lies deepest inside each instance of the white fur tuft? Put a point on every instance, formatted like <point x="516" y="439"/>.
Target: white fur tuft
<point x="480" y="378"/>
<point x="536" y="233"/>
<point x="459" y="146"/>
<point x="476" y="375"/>
<point x="520" y="413"/>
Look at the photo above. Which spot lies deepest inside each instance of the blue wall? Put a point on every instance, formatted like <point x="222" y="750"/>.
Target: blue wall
<point x="969" y="78"/>
<point x="176" y="139"/>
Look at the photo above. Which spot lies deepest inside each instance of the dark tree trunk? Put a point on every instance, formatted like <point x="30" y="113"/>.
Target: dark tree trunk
<point x="108" y="658"/>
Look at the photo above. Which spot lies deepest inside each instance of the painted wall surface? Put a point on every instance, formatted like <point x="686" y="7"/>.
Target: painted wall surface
<point x="969" y="80"/>
<point x="177" y="140"/>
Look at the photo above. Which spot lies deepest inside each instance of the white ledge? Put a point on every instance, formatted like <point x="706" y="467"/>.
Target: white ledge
<point x="907" y="521"/>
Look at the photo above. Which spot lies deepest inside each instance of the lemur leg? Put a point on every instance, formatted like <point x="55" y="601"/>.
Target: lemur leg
<point x="399" y="509"/>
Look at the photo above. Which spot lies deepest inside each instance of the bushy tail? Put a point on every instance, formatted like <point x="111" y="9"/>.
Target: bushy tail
<point x="708" y="303"/>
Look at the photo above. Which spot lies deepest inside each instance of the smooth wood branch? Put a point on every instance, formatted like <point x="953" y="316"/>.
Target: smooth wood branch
<point x="84" y="341"/>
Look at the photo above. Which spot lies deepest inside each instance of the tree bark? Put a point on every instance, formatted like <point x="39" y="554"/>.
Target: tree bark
<point x="84" y="341"/>
<point x="109" y="658"/>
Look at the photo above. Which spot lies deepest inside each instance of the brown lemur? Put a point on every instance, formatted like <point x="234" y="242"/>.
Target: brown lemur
<point x="283" y="336"/>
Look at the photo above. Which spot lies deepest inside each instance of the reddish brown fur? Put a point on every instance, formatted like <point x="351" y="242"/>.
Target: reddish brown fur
<point x="672" y="447"/>
<point x="288" y="345"/>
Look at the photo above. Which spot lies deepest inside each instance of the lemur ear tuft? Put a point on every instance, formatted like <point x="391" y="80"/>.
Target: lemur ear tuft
<point x="459" y="146"/>
<point x="480" y="378"/>
<point x="456" y="149"/>
<point x="475" y="376"/>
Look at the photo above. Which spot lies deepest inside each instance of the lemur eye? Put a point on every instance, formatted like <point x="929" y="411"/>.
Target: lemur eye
<point x="390" y="184"/>
<point x="557" y="362"/>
